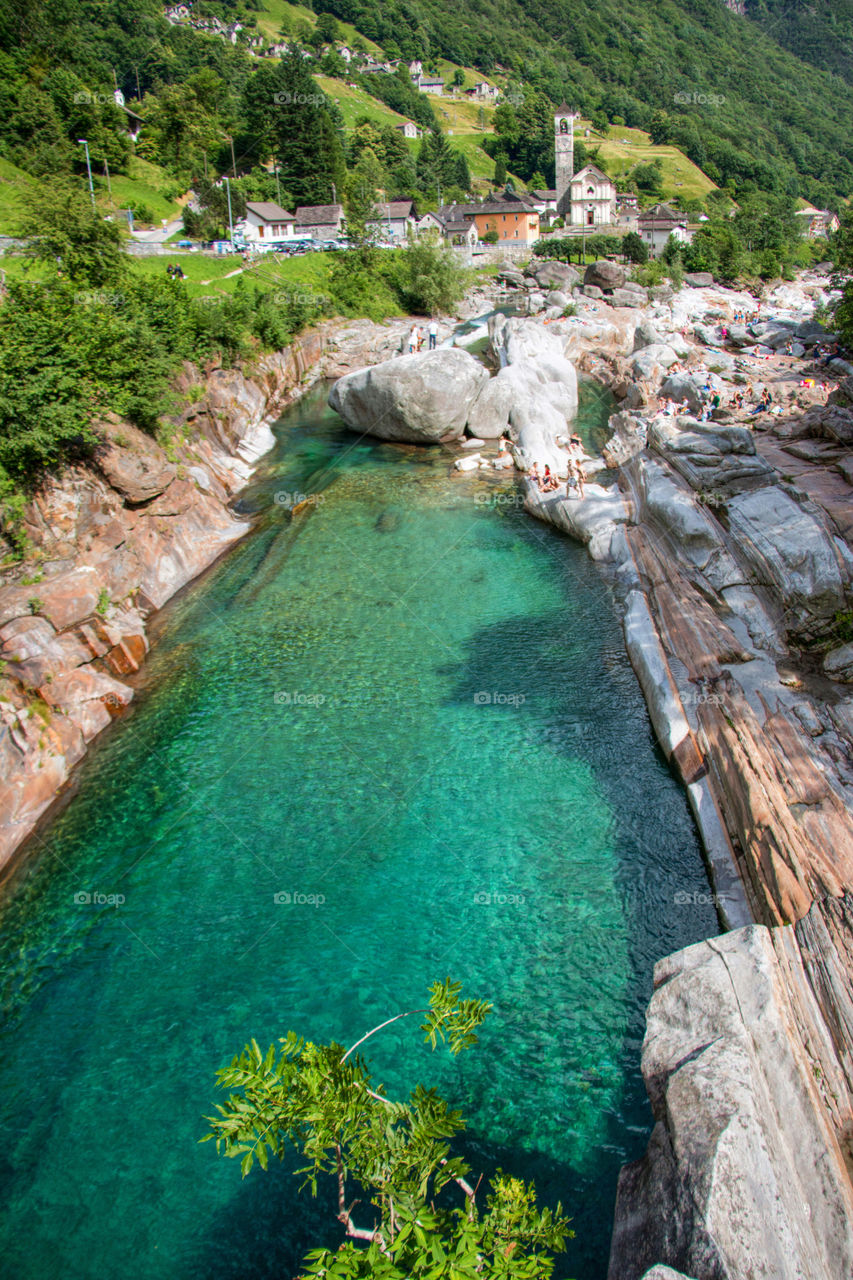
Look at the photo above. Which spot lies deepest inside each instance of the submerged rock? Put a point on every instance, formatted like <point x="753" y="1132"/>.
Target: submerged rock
<point x="417" y="398"/>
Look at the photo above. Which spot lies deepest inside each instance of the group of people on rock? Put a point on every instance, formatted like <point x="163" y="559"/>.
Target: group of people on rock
<point x="747" y="317"/>
<point x="416" y="337"/>
<point x="547" y="482"/>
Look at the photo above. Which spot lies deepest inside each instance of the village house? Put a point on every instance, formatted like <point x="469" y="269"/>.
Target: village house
<point x="455" y="222"/>
<point x="416" y="68"/>
<point x="429" y="84"/>
<point x="266" y="222"/>
<point x="817" y="223"/>
<point x="658" y="223"/>
<point x="513" y="220"/>
<point x="544" y="202"/>
<point x="394" y="219"/>
<point x="592" y="198"/>
<point x="320" y="221"/>
<point x="483" y="92"/>
<point x="410" y="130"/>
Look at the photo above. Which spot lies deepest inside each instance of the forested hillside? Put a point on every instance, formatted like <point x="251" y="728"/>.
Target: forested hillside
<point x="744" y="108"/>
<point x="820" y="32"/>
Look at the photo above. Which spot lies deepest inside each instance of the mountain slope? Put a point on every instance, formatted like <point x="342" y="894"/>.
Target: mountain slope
<point x="820" y="32"/>
<point x="733" y="96"/>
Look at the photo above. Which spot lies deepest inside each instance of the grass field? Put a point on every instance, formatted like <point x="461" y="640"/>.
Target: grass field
<point x="145" y="185"/>
<point x="273" y="11"/>
<point x="355" y="102"/>
<point x="623" y="148"/>
<point x="206" y="276"/>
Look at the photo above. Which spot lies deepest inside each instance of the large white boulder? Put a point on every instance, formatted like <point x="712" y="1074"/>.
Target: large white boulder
<point x="420" y="398"/>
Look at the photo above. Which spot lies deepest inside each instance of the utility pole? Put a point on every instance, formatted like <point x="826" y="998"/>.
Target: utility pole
<point x="109" y="184"/>
<point x="84" y="143"/>
<point x="277" y="183"/>
<point x="230" y="220"/>
<point x="233" y="161"/>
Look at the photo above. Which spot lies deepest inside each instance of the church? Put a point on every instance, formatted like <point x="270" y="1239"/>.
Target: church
<point x="586" y="198"/>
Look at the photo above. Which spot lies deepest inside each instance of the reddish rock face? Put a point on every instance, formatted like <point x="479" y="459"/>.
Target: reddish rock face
<point x="133" y="463"/>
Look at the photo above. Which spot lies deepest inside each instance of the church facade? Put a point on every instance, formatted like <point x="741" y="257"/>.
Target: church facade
<point x="586" y="198"/>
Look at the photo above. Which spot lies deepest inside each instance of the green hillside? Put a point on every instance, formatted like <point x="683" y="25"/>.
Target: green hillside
<point x="745" y="109"/>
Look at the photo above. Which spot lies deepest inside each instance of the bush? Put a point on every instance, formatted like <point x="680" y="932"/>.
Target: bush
<point x="429" y="278"/>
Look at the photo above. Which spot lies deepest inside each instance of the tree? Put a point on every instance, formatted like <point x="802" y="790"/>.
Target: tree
<point x="841" y="253"/>
<point x="327" y="28"/>
<point x="500" y="169"/>
<point x="634" y="249"/>
<point x="430" y="279"/>
<point x="321" y="1100"/>
<point x="458" y="78"/>
<point x="67" y="231"/>
<point x="298" y="126"/>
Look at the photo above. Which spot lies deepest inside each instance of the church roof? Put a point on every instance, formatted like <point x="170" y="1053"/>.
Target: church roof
<point x="590" y="171"/>
<point x="564" y="110"/>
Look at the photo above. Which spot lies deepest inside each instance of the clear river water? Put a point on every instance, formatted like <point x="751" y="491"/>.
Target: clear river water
<point x="393" y="737"/>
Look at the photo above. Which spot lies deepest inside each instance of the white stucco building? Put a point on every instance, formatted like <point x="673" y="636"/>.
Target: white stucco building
<point x="592" y="198"/>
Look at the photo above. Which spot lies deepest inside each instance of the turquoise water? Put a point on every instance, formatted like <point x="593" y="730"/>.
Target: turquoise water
<point x="411" y="705"/>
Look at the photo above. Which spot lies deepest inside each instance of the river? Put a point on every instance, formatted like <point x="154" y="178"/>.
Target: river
<point x="390" y="738"/>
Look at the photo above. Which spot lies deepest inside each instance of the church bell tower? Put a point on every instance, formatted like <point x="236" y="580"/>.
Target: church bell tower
<point x="564" y="146"/>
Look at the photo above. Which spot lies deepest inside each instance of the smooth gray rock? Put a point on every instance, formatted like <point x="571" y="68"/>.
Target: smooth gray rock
<point x="605" y="275"/>
<point x="690" y="387"/>
<point x="626" y="298"/>
<point x="630" y="433"/>
<point x="743" y="1176"/>
<point x="416" y="398"/>
<point x="793" y="555"/>
<point x="660" y="1272"/>
<point x="489" y="414"/>
<point x="594" y="520"/>
<point x="653" y="361"/>
<point x="838" y="664"/>
<point x="558" y="299"/>
<point x="699" y="279"/>
<point x="555" y="275"/>
<point x="592" y="291"/>
<point x="646" y="334"/>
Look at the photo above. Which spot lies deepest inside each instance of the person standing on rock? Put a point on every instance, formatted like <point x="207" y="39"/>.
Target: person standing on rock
<point x="433" y="334"/>
<point x="413" y="340"/>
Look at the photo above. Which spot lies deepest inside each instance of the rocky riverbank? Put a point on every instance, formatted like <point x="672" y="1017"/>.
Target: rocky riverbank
<point x="112" y="540"/>
<point x="728" y="533"/>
